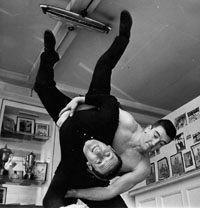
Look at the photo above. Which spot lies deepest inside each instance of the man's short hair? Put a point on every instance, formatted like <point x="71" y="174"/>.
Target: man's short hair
<point x="111" y="173"/>
<point x="168" y="126"/>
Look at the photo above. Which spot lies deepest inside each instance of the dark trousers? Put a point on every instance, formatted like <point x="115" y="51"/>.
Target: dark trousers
<point x="54" y="101"/>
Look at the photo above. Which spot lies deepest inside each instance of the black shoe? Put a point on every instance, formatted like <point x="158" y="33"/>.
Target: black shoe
<point x="49" y="41"/>
<point x="125" y="24"/>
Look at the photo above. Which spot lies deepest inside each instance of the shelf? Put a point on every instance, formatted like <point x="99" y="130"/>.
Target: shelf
<point x="21" y="182"/>
<point x="172" y="180"/>
<point x="22" y="136"/>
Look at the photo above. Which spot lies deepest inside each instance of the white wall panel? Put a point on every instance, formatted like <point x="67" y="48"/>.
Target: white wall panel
<point x="193" y="195"/>
<point x="172" y="200"/>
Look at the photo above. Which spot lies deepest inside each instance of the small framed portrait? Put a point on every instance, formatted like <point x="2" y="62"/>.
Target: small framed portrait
<point x="196" y="153"/>
<point x="177" y="164"/>
<point x="193" y="115"/>
<point x="3" y="192"/>
<point x="188" y="161"/>
<point x="8" y="124"/>
<point x="180" y="121"/>
<point x="42" y="129"/>
<point x="40" y="171"/>
<point x="180" y="142"/>
<point x="151" y="178"/>
<point x="163" y="169"/>
<point x="25" y="125"/>
<point x="196" y="137"/>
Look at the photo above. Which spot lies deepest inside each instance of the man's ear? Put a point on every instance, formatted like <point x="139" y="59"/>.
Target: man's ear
<point x="89" y="165"/>
<point x="148" y="128"/>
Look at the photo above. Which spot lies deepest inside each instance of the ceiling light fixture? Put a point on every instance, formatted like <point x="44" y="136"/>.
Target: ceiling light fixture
<point x="74" y="19"/>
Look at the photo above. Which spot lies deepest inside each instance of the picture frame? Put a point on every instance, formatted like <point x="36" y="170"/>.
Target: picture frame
<point x="163" y="169"/>
<point x="177" y="164"/>
<point x="180" y="142"/>
<point x="196" y="153"/>
<point x="3" y="192"/>
<point x="41" y="130"/>
<point x="8" y="124"/>
<point x="196" y="137"/>
<point x="151" y="178"/>
<point x="40" y="171"/>
<point x="180" y="121"/>
<point x="193" y="115"/>
<point x="25" y="125"/>
<point x="188" y="161"/>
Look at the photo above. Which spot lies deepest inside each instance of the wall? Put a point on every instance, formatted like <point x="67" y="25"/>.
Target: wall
<point x="174" y="180"/>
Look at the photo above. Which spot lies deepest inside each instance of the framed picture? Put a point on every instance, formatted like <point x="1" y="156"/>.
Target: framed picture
<point x="25" y="125"/>
<point x="180" y="121"/>
<point x="177" y="164"/>
<point x="196" y="137"/>
<point x="180" y="142"/>
<point x="41" y="129"/>
<point x="151" y="178"/>
<point x="188" y="161"/>
<point x="3" y="191"/>
<point x="8" y="124"/>
<point x="40" y="171"/>
<point x="193" y="115"/>
<point x="163" y="169"/>
<point x="196" y="152"/>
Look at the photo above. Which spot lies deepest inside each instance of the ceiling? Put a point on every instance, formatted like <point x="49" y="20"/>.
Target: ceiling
<point x="160" y="68"/>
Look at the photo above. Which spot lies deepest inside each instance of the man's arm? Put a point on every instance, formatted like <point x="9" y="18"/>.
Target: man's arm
<point x="119" y="186"/>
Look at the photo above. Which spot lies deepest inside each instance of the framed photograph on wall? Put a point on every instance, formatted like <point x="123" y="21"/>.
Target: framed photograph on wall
<point x="193" y="115"/>
<point x="188" y="161"/>
<point x="180" y="121"/>
<point x="3" y="192"/>
<point x="163" y="169"/>
<point x="41" y="129"/>
<point x="196" y="137"/>
<point x="180" y="142"/>
<point x="8" y="124"/>
<point x="177" y="164"/>
<point x="151" y="178"/>
<point x="25" y="125"/>
<point x="40" y="171"/>
<point x="196" y="152"/>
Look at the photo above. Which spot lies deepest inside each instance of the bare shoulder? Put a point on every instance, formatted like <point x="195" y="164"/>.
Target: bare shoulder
<point x="126" y="119"/>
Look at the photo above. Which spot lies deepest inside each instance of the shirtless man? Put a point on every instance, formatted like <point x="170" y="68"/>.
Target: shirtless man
<point x="100" y="121"/>
<point x="133" y="144"/>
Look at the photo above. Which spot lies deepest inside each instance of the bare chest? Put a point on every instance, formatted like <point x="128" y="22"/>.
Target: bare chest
<point x="124" y="135"/>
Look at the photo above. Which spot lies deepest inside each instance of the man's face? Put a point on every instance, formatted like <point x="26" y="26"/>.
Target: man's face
<point x="100" y="156"/>
<point x="154" y="138"/>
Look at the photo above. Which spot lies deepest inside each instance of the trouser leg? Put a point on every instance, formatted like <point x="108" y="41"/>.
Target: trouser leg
<point x="52" y="99"/>
<point x="101" y="79"/>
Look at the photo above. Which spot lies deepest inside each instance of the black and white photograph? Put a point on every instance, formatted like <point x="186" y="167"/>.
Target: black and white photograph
<point x="40" y="171"/>
<point x="180" y="121"/>
<point x="180" y="142"/>
<point x="188" y="160"/>
<point x="8" y="124"/>
<point x="196" y="137"/>
<point x="163" y="168"/>
<point x="25" y="125"/>
<point x="42" y="129"/>
<point x="196" y="153"/>
<point x="100" y="103"/>
<point x="193" y="115"/>
<point x="151" y="178"/>
<point x="177" y="164"/>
